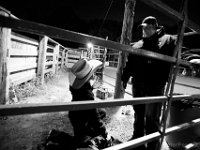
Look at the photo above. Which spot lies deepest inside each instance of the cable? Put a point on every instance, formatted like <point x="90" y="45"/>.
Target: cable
<point x="105" y="16"/>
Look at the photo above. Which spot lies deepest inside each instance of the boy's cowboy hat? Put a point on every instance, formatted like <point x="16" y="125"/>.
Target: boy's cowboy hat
<point x="81" y="72"/>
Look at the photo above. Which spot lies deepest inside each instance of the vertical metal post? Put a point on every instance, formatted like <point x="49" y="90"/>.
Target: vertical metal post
<point x="174" y="70"/>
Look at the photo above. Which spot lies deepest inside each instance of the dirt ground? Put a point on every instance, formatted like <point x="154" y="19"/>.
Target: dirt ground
<point x="25" y="132"/>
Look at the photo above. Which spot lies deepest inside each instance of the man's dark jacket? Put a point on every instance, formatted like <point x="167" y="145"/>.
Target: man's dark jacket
<point x="149" y="71"/>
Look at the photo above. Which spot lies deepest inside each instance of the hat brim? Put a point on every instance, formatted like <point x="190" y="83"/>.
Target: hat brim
<point x="143" y="24"/>
<point x="78" y="83"/>
<point x="146" y="24"/>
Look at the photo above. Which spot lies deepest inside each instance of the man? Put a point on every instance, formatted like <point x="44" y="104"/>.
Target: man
<point x="149" y="76"/>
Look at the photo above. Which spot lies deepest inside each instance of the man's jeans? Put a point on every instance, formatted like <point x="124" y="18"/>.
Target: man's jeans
<point x="147" y="116"/>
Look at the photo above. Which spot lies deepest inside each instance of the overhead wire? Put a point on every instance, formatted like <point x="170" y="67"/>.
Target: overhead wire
<point x="105" y="16"/>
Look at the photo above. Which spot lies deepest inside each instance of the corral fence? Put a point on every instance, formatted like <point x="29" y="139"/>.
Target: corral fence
<point x="29" y="57"/>
<point x="21" y="25"/>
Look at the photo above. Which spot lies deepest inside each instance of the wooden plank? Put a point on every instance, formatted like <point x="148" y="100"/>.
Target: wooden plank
<point x="17" y="64"/>
<point x="49" y="58"/>
<point x="49" y="54"/>
<point x="73" y="57"/>
<point x="50" y="47"/>
<point x="22" y="49"/>
<point x="49" y="70"/>
<point x="21" y="74"/>
<point x="52" y="41"/>
<point x="72" y="60"/>
<point x="74" y="53"/>
<point x="48" y="63"/>
<point x="23" y="39"/>
<point x="61" y="47"/>
<point x="69" y="65"/>
<point x="21" y="77"/>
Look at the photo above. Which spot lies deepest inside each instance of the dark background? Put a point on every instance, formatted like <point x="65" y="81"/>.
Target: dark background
<point x="99" y="17"/>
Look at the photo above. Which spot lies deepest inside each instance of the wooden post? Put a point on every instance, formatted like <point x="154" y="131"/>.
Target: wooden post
<point x="126" y="38"/>
<point x="42" y="58"/>
<point x="5" y="37"/>
<point x="63" y="59"/>
<point x="55" y="58"/>
<point x="66" y="58"/>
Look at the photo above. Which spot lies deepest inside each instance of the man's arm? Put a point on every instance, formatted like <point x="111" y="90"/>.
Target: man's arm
<point x="126" y="72"/>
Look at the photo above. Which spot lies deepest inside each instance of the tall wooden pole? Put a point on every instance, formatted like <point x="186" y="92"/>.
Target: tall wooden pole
<point x="126" y="38"/>
<point x="42" y="58"/>
<point x="4" y="54"/>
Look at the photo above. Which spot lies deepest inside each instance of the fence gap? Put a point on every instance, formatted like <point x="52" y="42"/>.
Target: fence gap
<point x="126" y="38"/>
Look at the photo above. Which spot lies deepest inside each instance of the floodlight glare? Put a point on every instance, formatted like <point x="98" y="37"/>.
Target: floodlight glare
<point x="89" y="45"/>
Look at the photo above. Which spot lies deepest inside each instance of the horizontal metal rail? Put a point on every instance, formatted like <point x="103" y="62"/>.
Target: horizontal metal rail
<point x="19" y="109"/>
<point x="41" y="29"/>
<point x="150" y="137"/>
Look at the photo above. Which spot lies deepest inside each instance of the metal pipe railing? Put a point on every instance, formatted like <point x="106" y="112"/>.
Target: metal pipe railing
<point x="153" y="136"/>
<point x="41" y="29"/>
<point x="19" y="109"/>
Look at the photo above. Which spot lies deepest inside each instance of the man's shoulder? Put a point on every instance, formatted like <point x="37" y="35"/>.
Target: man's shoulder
<point x="168" y="37"/>
<point x="137" y="44"/>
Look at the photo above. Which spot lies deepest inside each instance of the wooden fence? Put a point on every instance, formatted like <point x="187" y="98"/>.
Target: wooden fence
<point x="96" y="52"/>
<point x="73" y="55"/>
<point x="27" y="58"/>
<point x="22" y="58"/>
<point x="51" y="57"/>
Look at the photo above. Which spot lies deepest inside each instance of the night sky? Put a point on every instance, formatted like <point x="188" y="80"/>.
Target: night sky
<point x="86" y="16"/>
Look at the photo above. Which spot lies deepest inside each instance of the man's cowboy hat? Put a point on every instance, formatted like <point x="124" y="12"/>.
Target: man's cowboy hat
<point x="81" y="72"/>
<point x="150" y="20"/>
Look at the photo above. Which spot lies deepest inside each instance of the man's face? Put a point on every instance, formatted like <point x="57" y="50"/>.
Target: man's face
<point x="148" y="30"/>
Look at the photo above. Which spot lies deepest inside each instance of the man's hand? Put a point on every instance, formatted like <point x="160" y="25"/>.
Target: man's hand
<point x="124" y="84"/>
